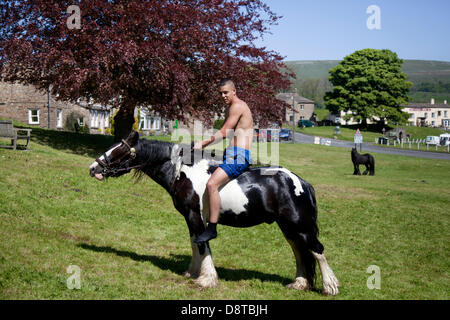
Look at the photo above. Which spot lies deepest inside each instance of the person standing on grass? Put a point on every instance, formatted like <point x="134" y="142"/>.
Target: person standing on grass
<point x="239" y="121"/>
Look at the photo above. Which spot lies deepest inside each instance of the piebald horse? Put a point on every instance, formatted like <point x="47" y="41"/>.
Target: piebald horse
<point x="259" y="195"/>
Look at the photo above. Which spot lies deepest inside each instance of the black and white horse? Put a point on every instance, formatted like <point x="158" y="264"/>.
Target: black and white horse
<point x="365" y="159"/>
<point x="261" y="194"/>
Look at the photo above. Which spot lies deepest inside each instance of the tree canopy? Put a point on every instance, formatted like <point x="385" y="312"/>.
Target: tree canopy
<point x="169" y="54"/>
<point x="371" y="84"/>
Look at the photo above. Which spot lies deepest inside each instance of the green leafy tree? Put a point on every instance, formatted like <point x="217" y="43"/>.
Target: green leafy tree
<point x="371" y="84"/>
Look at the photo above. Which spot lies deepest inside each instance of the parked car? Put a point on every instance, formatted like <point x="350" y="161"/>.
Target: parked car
<point x="432" y="140"/>
<point x="305" y="123"/>
<point x="285" y="134"/>
<point x="444" y="139"/>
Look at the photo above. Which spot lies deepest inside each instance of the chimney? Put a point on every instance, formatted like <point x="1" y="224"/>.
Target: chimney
<point x="445" y="101"/>
<point x="432" y="101"/>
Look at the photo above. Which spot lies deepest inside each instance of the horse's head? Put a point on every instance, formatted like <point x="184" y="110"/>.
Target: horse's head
<point x="117" y="161"/>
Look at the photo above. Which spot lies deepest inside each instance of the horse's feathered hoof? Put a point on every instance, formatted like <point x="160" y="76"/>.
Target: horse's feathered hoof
<point x="207" y="282"/>
<point x="330" y="287"/>
<point x="330" y="290"/>
<point x="299" y="284"/>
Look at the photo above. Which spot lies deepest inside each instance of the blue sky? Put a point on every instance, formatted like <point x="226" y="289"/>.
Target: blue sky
<point x="332" y="29"/>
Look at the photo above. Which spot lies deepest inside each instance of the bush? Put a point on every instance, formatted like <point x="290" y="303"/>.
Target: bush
<point x="218" y="124"/>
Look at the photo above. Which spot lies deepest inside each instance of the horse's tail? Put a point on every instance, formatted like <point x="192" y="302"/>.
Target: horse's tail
<point x="310" y="239"/>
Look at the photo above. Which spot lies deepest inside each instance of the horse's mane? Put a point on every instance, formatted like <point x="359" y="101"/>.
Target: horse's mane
<point x="151" y="151"/>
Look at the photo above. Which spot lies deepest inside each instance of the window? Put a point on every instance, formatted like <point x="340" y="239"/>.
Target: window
<point x="149" y="122"/>
<point x="106" y="119"/>
<point x="302" y="107"/>
<point x="432" y="123"/>
<point x="96" y="119"/>
<point x="411" y="115"/>
<point x="432" y="114"/>
<point x="156" y="123"/>
<point x="92" y="115"/>
<point x="439" y="113"/>
<point x="33" y="116"/>
<point x="58" y="118"/>
<point x="425" y="115"/>
<point x="445" y="113"/>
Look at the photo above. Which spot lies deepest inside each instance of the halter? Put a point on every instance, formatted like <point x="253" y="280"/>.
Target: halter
<point x="117" y="166"/>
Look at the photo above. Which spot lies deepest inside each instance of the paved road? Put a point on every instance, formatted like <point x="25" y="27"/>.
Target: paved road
<point x="367" y="147"/>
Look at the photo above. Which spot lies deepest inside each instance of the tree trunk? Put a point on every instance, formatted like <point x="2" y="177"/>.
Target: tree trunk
<point x="364" y="123"/>
<point x="123" y="123"/>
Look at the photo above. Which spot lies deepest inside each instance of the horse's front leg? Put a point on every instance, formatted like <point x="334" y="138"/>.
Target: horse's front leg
<point x="356" y="171"/>
<point x="201" y="267"/>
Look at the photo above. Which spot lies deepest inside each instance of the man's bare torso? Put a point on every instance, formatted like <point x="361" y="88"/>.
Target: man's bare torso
<point x="243" y="131"/>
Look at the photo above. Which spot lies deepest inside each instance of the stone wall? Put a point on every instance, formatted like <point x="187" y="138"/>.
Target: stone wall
<point x="16" y="100"/>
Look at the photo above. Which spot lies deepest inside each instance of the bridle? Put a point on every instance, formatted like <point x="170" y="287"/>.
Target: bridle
<point x="118" y="166"/>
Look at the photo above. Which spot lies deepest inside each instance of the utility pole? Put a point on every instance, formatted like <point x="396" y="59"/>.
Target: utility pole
<point x="293" y="115"/>
<point x="48" y="106"/>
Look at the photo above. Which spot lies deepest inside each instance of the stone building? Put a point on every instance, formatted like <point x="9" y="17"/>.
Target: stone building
<point x="304" y="108"/>
<point x="26" y="104"/>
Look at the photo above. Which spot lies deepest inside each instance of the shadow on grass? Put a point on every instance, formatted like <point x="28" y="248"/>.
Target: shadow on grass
<point x="91" y="145"/>
<point x="179" y="264"/>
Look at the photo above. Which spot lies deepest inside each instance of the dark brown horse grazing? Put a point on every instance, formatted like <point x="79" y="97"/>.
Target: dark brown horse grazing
<point x="365" y="159"/>
<point x="259" y="195"/>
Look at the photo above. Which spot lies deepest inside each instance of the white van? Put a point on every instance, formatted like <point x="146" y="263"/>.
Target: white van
<point x="432" y="140"/>
<point x="444" y="139"/>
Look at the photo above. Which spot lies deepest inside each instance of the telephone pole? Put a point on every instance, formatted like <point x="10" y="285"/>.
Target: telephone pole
<point x="293" y="115"/>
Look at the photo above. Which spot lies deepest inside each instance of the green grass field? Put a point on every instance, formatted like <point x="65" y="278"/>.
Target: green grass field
<point x="130" y="243"/>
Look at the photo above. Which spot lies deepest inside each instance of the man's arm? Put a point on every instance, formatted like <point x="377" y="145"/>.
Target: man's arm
<point x="231" y="122"/>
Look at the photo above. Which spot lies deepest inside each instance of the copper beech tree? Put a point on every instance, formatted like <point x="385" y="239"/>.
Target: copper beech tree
<point x="167" y="54"/>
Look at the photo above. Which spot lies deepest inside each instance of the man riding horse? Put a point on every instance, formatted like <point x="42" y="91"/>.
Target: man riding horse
<point x="236" y="158"/>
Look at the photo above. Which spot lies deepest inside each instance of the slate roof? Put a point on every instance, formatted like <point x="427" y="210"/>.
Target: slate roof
<point x="287" y="97"/>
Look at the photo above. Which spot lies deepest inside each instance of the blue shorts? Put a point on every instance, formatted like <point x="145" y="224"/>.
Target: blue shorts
<point x="235" y="161"/>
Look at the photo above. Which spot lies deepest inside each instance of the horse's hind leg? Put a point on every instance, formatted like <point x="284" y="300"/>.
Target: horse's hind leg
<point x="305" y="262"/>
<point x="367" y="169"/>
<point x="329" y="281"/>
<point x="301" y="279"/>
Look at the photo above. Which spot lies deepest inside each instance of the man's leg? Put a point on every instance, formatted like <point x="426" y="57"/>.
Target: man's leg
<point x="217" y="179"/>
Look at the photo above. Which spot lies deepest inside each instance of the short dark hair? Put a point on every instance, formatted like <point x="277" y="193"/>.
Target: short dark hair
<point x="226" y="81"/>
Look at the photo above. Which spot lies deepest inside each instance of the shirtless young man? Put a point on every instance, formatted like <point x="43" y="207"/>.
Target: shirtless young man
<point x="237" y="155"/>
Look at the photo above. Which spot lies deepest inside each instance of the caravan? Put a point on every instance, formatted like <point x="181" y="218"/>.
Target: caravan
<point x="432" y="140"/>
<point x="444" y="139"/>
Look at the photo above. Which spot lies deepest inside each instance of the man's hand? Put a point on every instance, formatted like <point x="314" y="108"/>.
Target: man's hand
<point x="198" y="145"/>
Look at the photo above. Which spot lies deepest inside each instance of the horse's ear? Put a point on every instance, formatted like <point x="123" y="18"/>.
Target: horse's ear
<point x="133" y="137"/>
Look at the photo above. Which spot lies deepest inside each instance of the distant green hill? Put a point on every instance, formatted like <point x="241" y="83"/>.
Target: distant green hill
<point x="431" y="79"/>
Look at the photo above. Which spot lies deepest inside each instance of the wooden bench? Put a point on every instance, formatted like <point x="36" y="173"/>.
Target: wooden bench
<point x="7" y="130"/>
